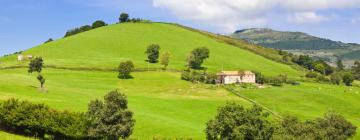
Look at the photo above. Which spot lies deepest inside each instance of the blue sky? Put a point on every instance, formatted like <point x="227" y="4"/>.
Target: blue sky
<point x="27" y="23"/>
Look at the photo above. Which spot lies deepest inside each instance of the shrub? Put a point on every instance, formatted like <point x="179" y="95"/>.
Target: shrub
<point x="110" y="120"/>
<point x="36" y="65"/>
<point x="274" y="81"/>
<point x="125" y="69"/>
<point x="336" y="78"/>
<point x="260" y="79"/>
<point x="197" y="57"/>
<point x="153" y="52"/>
<point x="234" y="122"/>
<point x="124" y="17"/>
<point x="165" y="59"/>
<point x="196" y="76"/>
<point x="98" y="23"/>
<point x="38" y="120"/>
<point x="348" y="79"/>
<point x="322" y="78"/>
<point x="311" y="74"/>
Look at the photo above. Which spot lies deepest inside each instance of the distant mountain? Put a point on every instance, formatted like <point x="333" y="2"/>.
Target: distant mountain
<point x="301" y="43"/>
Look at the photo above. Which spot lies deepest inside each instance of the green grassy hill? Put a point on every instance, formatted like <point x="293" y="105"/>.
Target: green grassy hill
<point x="104" y="48"/>
<point x="165" y="107"/>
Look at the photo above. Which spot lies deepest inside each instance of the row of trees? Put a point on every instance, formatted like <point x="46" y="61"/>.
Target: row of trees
<point x="109" y="119"/>
<point x="236" y="122"/>
<point x="96" y="24"/>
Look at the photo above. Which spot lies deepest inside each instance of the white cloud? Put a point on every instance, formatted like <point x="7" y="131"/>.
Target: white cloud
<point x="307" y="17"/>
<point x="355" y="20"/>
<point x="231" y="14"/>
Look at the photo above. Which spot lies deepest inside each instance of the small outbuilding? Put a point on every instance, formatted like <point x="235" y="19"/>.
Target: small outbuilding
<point x="23" y="58"/>
<point x="233" y="77"/>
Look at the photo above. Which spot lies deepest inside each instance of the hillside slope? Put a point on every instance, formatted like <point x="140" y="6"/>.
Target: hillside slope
<point x="300" y="43"/>
<point x="106" y="47"/>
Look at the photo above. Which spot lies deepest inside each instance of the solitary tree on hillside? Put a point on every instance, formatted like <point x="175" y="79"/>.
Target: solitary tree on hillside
<point x="197" y="57"/>
<point x="98" y="23"/>
<point x="152" y="52"/>
<point x="110" y="119"/>
<point x="41" y="79"/>
<point x="36" y="65"/>
<point x="124" y="17"/>
<point x="348" y="79"/>
<point x="340" y="65"/>
<point x="165" y="59"/>
<point x="125" y="69"/>
<point x="234" y="122"/>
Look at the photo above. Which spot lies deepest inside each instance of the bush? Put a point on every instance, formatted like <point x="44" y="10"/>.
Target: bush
<point x="348" y="79"/>
<point x="311" y="74"/>
<point x="335" y="78"/>
<point x="98" y="23"/>
<point x="78" y="30"/>
<point x="38" y="120"/>
<point x="200" y="77"/>
<point x="36" y="65"/>
<point x="275" y="81"/>
<point x="322" y="78"/>
<point x="125" y="69"/>
<point x="153" y="52"/>
<point x="197" y="57"/>
<point x="234" y="122"/>
<point x="260" y="79"/>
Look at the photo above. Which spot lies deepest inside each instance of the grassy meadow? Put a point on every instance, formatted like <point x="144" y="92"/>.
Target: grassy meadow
<point x="164" y="105"/>
<point x="106" y="47"/>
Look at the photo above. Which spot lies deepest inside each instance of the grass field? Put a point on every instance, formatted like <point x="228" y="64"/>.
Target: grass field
<point x="106" y="47"/>
<point x="309" y="100"/>
<point x="164" y="105"/>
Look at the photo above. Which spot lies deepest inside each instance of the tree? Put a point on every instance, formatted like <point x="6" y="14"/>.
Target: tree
<point x="98" y="23"/>
<point x="152" y="52"/>
<point x="335" y="78"/>
<point x="125" y="69"/>
<point x="197" y="57"/>
<point x="124" y="17"/>
<point x="260" y="79"/>
<point x="348" y="79"/>
<point x="335" y="127"/>
<point x="165" y="59"/>
<point x="319" y="68"/>
<point x="36" y="65"/>
<point x="49" y="40"/>
<point x="356" y="70"/>
<point x="110" y="119"/>
<point x="234" y="122"/>
<point x="340" y="65"/>
<point x="41" y="79"/>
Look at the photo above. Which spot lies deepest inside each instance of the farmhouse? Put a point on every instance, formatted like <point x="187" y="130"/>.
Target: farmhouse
<point x="232" y="77"/>
<point x="22" y="57"/>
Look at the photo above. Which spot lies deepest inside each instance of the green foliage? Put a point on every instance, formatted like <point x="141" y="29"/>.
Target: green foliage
<point x="322" y="78"/>
<point x="276" y="81"/>
<point x="153" y="52"/>
<point x="197" y="57"/>
<point x="356" y="70"/>
<point x="234" y="122"/>
<point x="38" y="120"/>
<point x="332" y="127"/>
<point x="78" y="30"/>
<point x="98" y="23"/>
<point x="339" y="65"/>
<point x="320" y="68"/>
<point x="125" y="69"/>
<point x="311" y="74"/>
<point x="165" y="59"/>
<point x="41" y="79"/>
<point x="110" y="120"/>
<point x="124" y="17"/>
<point x="49" y="40"/>
<point x="196" y="76"/>
<point x="348" y="79"/>
<point x="36" y="65"/>
<point x="336" y="78"/>
<point x="260" y="79"/>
